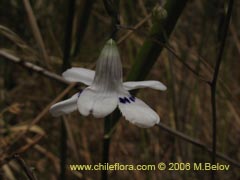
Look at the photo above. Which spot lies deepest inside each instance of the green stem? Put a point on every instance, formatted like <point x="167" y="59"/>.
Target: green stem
<point x="160" y="30"/>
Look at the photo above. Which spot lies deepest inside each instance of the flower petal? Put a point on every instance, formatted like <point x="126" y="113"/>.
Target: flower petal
<point x="108" y="68"/>
<point x="130" y="85"/>
<point x="96" y="103"/>
<point x="64" y="107"/>
<point x="137" y="112"/>
<point x="82" y="75"/>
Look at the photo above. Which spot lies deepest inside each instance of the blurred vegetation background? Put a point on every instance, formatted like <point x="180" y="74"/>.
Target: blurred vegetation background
<point x="55" y="35"/>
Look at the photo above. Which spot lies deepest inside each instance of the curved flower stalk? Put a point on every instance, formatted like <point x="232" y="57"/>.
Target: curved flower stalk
<point x="106" y="91"/>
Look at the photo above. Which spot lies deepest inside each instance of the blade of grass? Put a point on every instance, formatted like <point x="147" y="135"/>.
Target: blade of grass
<point x="36" y="32"/>
<point x="17" y="40"/>
<point x="8" y="172"/>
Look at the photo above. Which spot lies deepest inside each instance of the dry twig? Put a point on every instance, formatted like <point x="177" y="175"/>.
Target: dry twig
<point x="25" y="167"/>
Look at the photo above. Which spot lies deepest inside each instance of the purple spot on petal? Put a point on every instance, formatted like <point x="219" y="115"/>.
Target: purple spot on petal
<point x="132" y="98"/>
<point x="127" y="100"/>
<point x="122" y="100"/>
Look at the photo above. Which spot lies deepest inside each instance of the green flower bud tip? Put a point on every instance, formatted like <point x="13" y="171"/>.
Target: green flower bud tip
<point x="159" y="13"/>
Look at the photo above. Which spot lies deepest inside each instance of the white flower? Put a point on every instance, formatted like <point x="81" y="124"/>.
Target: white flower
<point x="106" y="91"/>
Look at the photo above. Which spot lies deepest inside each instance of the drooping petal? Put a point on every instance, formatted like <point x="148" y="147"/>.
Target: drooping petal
<point x="130" y="85"/>
<point x="96" y="103"/>
<point x="82" y="75"/>
<point x="65" y="107"/>
<point x="137" y="112"/>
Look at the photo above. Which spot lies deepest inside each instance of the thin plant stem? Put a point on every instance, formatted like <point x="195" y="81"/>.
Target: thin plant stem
<point x="214" y="83"/>
<point x="84" y="15"/>
<point x="66" y="64"/>
<point x="169" y="48"/>
<point x="197" y="143"/>
<point x="106" y="145"/>
<point x="68" y="35"/>
<point x="32" y="67"/>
